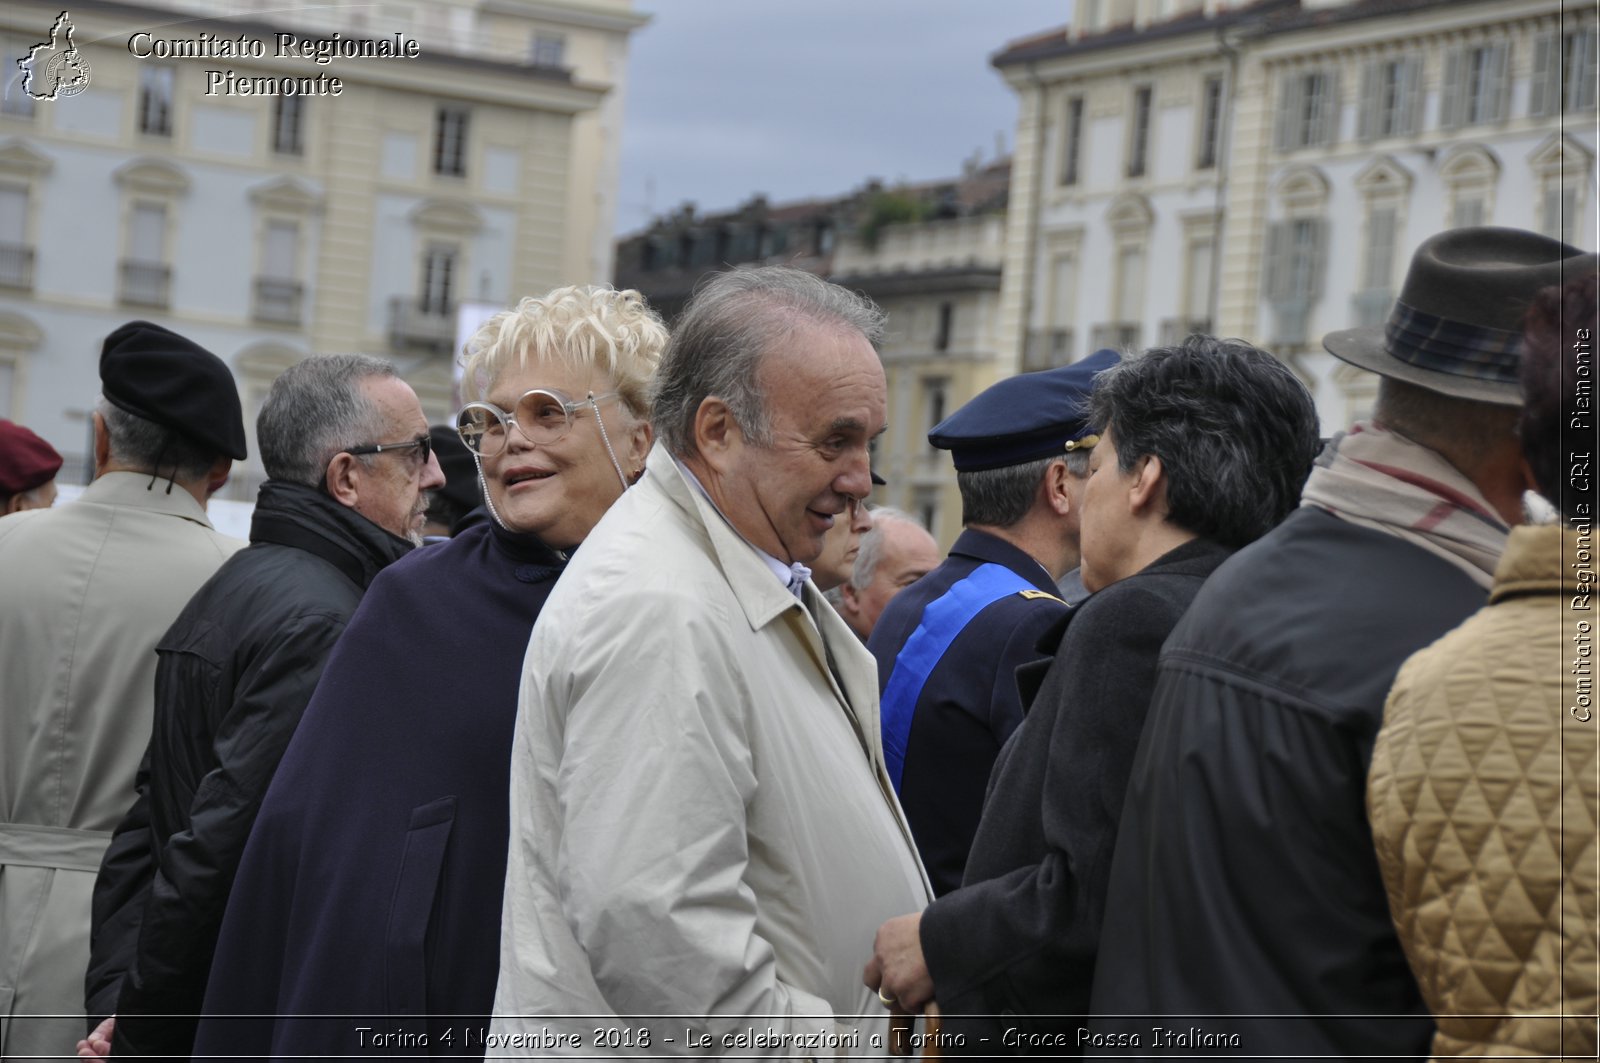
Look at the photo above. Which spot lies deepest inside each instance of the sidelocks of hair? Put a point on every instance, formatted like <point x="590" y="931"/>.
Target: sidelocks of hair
<point x="871" y="549"/>
<point x="1235" y="430"/>
<point x="729" y="325"/>
<point x="315" y="409"/>
<point x="143" y="444"/>
<point x="1001" y="497"/>
<point x="585" y="329"/>
<point x="1558" y="357"/>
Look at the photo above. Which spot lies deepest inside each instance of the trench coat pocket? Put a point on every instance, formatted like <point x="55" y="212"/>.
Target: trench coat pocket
<point x="415" y="888"/>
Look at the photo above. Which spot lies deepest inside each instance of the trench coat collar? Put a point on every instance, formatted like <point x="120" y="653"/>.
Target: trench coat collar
<point x="760" y="595"/>
<point x="134" y="489"/>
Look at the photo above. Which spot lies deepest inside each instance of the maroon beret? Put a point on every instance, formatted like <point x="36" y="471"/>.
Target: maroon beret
<point x="26" y="461"/>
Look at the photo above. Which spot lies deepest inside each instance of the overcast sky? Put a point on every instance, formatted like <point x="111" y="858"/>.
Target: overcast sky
<point x="800" y="98"/>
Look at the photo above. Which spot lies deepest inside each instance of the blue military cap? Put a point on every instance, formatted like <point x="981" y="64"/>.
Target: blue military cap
<point x="1023" y="418"/>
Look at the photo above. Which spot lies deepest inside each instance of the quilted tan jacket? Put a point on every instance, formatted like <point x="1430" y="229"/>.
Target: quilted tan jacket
<point x="1482" y="798"/>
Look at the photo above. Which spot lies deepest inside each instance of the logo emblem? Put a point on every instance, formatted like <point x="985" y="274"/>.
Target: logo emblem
<point x="55" y="69"/>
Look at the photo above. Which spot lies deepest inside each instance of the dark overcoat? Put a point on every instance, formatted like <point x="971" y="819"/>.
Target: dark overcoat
<point x="1018" y="939"/>
<point x="371" y="885"/>
<point x="969" y="705"/>
<point x="1245" y="881"/>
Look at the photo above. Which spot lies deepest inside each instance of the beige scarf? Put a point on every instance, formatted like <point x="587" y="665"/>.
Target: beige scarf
<point x="1373" y="477"/>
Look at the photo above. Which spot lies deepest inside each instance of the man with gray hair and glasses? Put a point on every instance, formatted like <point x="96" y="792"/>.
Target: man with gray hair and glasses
<point x="703" y="836"/>
<point x="88" y="588"/>
<point x="349" y="460"/>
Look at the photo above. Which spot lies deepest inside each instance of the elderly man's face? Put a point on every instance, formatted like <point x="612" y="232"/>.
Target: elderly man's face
<point x="826" y="400"/>
<point x="907" y="553"/>
<point x="392" y="485"/>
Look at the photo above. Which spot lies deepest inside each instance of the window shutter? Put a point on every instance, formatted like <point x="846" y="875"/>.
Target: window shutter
<point x="1289" y="86"/>
<point x="1412" y="95"/>
<point x="1275" y="276"/>
<point x="1367" y="118"/>
<point x="1545" y="88"/>
<point x="1380" y="248"/>
<point x="1331" y="109"/>
<point x="1317" y="249"/>
<point x="1498" y="87"/>
<point x="1581" y="96"/>
<point x="1450" y="95"/>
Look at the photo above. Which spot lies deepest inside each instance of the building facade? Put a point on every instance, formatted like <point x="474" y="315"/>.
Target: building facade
<point x="206" y="176"/>
<point x="1265" y="169"/>
<point x="929" y="254"/>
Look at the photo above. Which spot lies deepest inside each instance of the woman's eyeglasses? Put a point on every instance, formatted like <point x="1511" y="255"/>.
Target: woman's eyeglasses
<point x="542" y="416"/>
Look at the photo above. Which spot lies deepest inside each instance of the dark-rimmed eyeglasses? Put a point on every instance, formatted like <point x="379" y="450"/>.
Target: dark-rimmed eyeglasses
<point x="542" y="415"/>
<point x="422" y="444"/>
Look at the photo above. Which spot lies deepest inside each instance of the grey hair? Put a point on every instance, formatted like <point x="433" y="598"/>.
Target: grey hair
<point x="1078" y="462"/>
<point x="729" y="326"/>
<point x="1469" y="430"/>
<point x="142" y="444"/>
<point x="315" y="409"/>
<point x="1233" y="427"/>
<point x="871" y="550"/>
<point x="1001" y="497"/>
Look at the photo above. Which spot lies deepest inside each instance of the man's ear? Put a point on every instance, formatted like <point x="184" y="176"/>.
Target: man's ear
<point x="102" y="443"/>
<point x="1149" y="490"/>
<point x="1057" y="478"/>
<point x="344" y="479"/>
<point x="714" y="430"/>
<point x="217" y="477"/>
<point x="849" y="599"/>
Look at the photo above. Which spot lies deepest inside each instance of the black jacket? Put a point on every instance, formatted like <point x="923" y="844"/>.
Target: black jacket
<point x="1018" y="938"/>
<point x="235" y="672"/>
<point x="1244" y="880"/>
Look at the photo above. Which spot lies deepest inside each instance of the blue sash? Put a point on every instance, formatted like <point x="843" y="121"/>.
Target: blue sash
<point x="942" y="620"/>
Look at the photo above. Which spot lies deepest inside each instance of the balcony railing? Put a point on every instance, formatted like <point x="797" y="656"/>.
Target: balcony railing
<point x="146" y="284"/>
<point x="1371" y="306"/>
<point x="16" y="266"/>
<point x="1174" y="330"/>
<point x="278" y="301"/>
<point x="1118" y="335"/>
<point x="1047" y="348"/>
<point x="415" y="324"/>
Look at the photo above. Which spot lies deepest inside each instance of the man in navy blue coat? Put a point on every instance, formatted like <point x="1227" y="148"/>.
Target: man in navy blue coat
<point x="949" y="645"/>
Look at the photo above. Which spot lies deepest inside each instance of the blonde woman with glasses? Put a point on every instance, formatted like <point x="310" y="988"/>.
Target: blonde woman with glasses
<point x="371" y="886"/>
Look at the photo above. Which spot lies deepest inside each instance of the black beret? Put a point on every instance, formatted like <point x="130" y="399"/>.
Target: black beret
<point x="26" y="461"/>
<point x="163" y="377"/>
<point x="460" y="471"/>
<point x="1023" y="418"/>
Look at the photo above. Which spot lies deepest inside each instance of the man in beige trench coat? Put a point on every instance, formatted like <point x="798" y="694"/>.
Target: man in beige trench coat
<point x="702" y="828"/>
<point x="88" y="589"/>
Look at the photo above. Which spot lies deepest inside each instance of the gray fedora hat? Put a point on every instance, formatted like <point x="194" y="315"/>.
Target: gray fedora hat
<point x="1457" y="326"/>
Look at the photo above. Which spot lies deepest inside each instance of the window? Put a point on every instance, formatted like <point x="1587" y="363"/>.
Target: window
<point x="8" y="388"/>
<point x="155" y="100"/>
<point x="288" y="114"/>
<point x="935" y="403"/>
<point x="1130" y="280"/>
<point x="16" y="256"/>
<point x="1468" y="210"/>
<point x="450" y="141"/>
<point x="1391" y="99"/>
<point x="277" y="290"/>
<point x="1294" y="268"/>
<point x="13" y="101"/>
<point x="549" y="49"/>
<point x="1477" y="85"/>
<point x="1210" y="123"/>
<point x="926" y="507"/>
<point x="1071" y="141"/>
<point x="941" y="337"/>
<point x="823" y="242"/>
<point x="1560" y="212"/>
<point x="146" y="277"/>
<point x="1139" y="131"/>
<point x="1197" y="286"/>
<point x="1308" y="110"/>
<point x="1373" y="299"/>
<point x="1563" y="73"/>
<point x="437" y="297"/>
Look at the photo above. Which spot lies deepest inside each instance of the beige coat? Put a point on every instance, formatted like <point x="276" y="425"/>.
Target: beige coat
<point x="701" y="823"/>
<point x="86" y="590"/>
<point x="1482" y="797"/>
